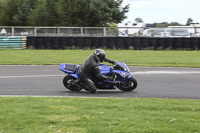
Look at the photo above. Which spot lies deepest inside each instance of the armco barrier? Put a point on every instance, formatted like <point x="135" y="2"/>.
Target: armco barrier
<point x="13" y="42"/>
<point x="136" y="43"/>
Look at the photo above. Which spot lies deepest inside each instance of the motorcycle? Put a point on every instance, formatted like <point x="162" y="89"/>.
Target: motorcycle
<point x="120" y="73"/>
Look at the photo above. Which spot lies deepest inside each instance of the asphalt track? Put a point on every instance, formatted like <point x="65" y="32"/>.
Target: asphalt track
<point x="153" y="82"/>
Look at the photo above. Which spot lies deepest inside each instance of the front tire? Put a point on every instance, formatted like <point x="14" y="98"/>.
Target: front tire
<point x="70" y="84"/>
<point x="130" y="85"/>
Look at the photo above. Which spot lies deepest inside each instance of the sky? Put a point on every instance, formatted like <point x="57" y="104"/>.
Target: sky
<point x="163" y="10"/>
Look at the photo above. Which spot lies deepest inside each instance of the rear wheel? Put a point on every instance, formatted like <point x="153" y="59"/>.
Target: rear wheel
<point x="70" y="83"/>
<point x="129" y="85"/>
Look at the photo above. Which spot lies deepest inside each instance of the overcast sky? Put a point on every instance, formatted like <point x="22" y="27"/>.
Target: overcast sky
<point x="163" y="10"/>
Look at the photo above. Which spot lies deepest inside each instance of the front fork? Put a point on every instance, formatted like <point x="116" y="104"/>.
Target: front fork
<point x="123" y="81"/>
<point x="118" y="79"/>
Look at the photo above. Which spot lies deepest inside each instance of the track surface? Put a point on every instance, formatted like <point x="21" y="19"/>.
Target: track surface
<point x="159" y="82"/>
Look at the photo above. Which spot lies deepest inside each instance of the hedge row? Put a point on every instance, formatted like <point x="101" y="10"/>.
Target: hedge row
<point x="136" y="43"/>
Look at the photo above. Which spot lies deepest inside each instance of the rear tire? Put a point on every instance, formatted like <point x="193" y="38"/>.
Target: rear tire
<point x="130" y="85"/>
<point x="69" y="83"/>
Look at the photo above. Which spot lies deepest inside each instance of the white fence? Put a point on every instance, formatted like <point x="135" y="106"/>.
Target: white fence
<point x="68" y="31"/>
<point x="57" y="31"/>
<point x="77" y="31"/>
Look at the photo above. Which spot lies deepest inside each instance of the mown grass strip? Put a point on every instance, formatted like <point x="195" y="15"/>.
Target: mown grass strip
<point x="130" y="57"/>
<point x="98" y="115"/>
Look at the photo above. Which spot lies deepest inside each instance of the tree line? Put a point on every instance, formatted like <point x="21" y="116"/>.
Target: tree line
<point x="166" y="24"/>
<point x="72" y="13"/>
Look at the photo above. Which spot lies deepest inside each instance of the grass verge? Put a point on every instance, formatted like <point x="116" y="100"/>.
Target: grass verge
<point x="98" y="115"/>
<point x="130" y="57"/>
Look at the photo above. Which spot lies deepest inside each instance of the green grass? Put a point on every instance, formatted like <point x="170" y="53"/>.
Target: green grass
<point x="131" y="57"/>
<point x="98" y="115"/>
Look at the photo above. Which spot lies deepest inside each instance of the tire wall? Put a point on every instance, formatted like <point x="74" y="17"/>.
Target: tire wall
<point x="131" y="43"/>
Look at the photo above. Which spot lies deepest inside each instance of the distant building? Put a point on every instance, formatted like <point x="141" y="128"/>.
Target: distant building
<point x="134" y="28"/>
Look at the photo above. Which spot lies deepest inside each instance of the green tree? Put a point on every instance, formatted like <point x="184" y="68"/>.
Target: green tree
<point x="174" y="24"/>
<point x="62" y="12"/>
<point x="8" y="11"/>
<point x="1" y="10"/>
<point x="38" y="15"/>
<point x="138" y="20"/>
<point x="23" y="12"/>
<point x="90" y="12"/>
<point x="166" y="24"/>
<point x="52" y="16"/>
<point x="189" y="21"/>
<point x="68" y="14"/>
<point x="113" y="12"/>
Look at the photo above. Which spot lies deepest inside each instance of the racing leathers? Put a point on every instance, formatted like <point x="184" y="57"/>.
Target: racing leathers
<point x="90" y="69"/>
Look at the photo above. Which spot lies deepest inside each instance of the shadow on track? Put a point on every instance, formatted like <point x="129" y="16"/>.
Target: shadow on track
<point x="100" y="93"/>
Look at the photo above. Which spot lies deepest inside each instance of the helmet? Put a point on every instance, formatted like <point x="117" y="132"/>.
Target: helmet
<point x="99" y="54"/>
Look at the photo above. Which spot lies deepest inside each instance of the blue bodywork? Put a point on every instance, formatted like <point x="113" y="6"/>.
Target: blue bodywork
<point x="124" y="72"/>
<point x="74" y="74"/>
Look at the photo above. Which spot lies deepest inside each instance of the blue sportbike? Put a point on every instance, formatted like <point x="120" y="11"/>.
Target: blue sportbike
<point x="120" y="73"/>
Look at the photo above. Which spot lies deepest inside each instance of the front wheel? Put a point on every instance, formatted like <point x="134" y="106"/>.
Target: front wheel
<point x="71" y="83"/>
<point x="129" y="85"/>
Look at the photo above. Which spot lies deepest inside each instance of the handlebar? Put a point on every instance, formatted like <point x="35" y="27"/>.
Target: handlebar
<point x="117" y="65"/>
<point x="113" y="67"/>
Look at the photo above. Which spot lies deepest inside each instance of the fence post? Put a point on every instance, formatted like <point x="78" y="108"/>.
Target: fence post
<point x="13" y="31"/>
<point x="35" y="31"/>
<point x="81" y="31"/>
<point x="58" y="31"/>
<point x="104" y="31"/>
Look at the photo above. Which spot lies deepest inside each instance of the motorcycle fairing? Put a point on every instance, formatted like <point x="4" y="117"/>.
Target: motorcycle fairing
<point x="104" y="69"/>
<point x="124" y="66"/>
<point x="124" y="74"/>
<point x="72" y="73"/>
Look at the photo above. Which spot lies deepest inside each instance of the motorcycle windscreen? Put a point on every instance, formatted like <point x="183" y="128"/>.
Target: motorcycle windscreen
<point x="124" y="66"/>
<point x="104" y="69"/>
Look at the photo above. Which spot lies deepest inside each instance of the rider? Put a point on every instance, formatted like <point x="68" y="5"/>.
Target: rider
<point x="90" y="68"/>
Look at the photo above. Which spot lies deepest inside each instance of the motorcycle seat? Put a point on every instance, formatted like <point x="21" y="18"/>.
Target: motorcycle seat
<point x="71" y="67"/>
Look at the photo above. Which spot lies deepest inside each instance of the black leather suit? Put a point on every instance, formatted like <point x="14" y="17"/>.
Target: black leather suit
<point x="89" y="69"/>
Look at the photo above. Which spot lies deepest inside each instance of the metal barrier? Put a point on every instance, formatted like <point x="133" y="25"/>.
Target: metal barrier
<point x="92" y="31"/>
<point x="69" y="31"/>
<point x="13" y="42"/>
<point x="58" y="31"/>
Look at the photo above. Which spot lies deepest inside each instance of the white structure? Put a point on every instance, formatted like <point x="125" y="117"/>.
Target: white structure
<point x="176" y="32"/>
<point x="131" y="28"/>
<point x="155" y="32"/>
<point x="3" y="31"/>
<point x="167" y="32"/>
<point x="193" y="28"/>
